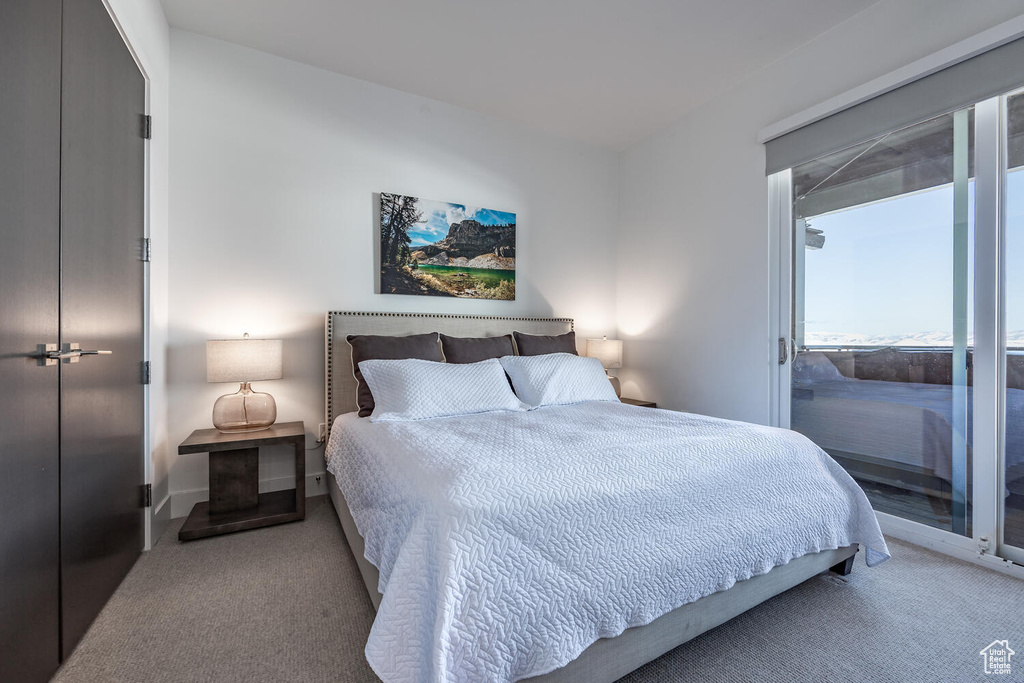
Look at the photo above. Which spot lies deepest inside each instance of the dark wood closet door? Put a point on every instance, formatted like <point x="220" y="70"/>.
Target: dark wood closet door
<point x="29" y="267"/>
<point x="102" y="226"/>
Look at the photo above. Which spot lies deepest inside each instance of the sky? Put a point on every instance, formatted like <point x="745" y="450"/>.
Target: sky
<point x="885" y="272"/>
<point x="438" y="217"/>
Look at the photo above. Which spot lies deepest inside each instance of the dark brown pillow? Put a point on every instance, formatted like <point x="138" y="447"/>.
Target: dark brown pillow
<point x="476" y="349"/>
<point x="539" y="344"/>
<point x="372" y="347"/>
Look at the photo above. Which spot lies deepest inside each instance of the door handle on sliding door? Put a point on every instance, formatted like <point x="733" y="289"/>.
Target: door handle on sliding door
<point x="72" y="353"/>
<point x="783" y="350"/>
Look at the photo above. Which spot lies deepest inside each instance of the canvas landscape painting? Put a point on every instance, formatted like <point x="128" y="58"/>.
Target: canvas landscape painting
<point x="432" y="248"/>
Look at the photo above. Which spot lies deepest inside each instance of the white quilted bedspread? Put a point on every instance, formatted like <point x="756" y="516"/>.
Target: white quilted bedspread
<point x="509" y="542"/>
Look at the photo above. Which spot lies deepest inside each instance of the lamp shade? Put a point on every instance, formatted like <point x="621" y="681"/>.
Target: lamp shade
<point x="608" y="351"/>
<point x="243" y="360"/>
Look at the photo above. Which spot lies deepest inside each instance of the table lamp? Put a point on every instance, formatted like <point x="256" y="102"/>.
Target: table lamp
<point x="243" y="360"/>
<point x="609" y="352"/>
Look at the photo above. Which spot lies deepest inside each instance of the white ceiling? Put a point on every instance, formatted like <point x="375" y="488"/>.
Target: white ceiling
<point x="607" y="72"/>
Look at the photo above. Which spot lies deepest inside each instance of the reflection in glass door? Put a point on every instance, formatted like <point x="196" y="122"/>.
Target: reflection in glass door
<point x="882" y="310"/>
<point x="1013" y="464"/>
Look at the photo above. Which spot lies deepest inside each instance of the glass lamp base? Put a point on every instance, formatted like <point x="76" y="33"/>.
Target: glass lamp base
<point x="244" y="411"/>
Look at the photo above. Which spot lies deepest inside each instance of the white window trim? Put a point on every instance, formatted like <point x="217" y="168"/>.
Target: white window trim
<point x="989" y="309"/>
<point x="780" y="207"/>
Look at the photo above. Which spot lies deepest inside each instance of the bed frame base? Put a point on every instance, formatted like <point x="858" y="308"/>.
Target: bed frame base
<point x="371" y="577"/>
<point x="609" y="659"/>
<point x="843" y="568"/>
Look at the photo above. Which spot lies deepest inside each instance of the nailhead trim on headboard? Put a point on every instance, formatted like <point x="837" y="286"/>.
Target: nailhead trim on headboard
<point x="329" y="339"/>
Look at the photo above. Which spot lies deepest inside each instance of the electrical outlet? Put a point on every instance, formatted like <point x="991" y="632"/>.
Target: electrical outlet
<point x="323" y="433"/>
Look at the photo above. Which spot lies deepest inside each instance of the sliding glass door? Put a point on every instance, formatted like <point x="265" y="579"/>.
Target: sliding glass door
<point x="901" y="319"/>
<point x="882" y="289"/>
<point x="1012" y="497"/>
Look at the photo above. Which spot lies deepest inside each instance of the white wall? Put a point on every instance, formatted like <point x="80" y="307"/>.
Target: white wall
<point x="273" y="170"/>
<point x="693" y="246"/>
<point x="143" y="24"/>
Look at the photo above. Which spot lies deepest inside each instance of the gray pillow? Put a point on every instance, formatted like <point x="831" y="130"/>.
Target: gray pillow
<point x="373" y="347"/>
<point x="475" y="349"/>
<point x="539" y="344"/>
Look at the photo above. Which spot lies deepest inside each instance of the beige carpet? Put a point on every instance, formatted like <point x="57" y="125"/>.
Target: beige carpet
<point x="286" y="603"/>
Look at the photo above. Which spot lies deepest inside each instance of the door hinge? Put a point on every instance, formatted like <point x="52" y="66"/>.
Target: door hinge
<point x="147" y="495"/>
<point x="146" y="250"/>
<point x="147" y="127"/>
<point x="147" y="372"/>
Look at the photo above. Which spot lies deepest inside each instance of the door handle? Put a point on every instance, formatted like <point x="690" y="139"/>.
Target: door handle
<point x="72" y="353"/>
<point x="783" y="350"/>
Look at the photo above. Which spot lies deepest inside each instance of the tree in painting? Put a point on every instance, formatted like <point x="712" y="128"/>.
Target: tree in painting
<point x="397" y="214"/>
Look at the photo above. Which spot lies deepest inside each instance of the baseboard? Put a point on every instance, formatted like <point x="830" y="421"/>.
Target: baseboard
<point x="160" y="520"/>
<point x="182" y="501"/>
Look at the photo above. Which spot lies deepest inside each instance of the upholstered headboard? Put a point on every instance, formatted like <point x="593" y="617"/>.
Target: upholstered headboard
<point x="341" y="383"/>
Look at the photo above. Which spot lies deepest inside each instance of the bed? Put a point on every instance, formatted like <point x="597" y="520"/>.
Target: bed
<point x="601" y="566"/>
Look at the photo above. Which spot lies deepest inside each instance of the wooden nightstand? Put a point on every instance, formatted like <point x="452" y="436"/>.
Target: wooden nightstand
<point x="638" y="402"/>
<point x="235" y="501"/>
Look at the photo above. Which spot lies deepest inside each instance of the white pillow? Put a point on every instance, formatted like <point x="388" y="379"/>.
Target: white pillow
<point x="558" y="379"/>
<point x="413" y="389"/>
<point x="815" y="365"/>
